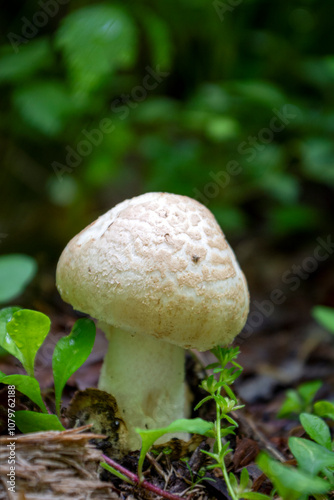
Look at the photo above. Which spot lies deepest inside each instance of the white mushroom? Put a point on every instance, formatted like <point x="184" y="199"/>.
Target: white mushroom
<point x="158" y="274"/>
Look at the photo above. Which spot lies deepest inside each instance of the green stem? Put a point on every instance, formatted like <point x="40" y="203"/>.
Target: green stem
<point x="227" y="481"/>
<point x="219" y="443"/>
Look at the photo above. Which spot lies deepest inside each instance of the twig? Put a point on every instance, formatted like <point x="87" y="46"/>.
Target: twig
<point x="135" y="479"/>
<point x="157" y="466"/>
<point x="192" y="489"/>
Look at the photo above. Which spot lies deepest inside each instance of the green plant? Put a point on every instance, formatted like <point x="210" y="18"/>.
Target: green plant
<point x="228" y="370"/>
<point x="299" y="400"/>
<point x="16" y="271"/>
<point x="22" y="332"/>
<point x="314" y="473"/>
<point x="224" y="405"/>
<point x="201" y="475"/>
<point x="243" y="488"/>
<point x="149" y="436"/>
<point x="324" y="316"/>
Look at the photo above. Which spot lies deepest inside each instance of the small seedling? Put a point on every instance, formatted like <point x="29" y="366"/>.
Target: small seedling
<point x="243" y="488"/>
<point x="22" y="332"/>
<point x="314" y="473"/>
<point x="299" y="400"/>
<point x="200" y="475"/>
<point x="224" y="405"/>
<point x="228" y="370"/>
<point x="324" y="316"/>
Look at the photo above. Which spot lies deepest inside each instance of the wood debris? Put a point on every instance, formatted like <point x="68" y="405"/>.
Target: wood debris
<point x="54" y="465"/>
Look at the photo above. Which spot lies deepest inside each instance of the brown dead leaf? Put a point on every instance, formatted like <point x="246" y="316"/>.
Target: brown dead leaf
<point x="245" y="452"/>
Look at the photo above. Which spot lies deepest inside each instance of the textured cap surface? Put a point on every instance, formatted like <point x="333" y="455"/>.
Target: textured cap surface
<point x="157" y="264"/>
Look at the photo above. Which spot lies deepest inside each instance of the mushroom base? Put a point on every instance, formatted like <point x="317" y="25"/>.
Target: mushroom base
<point x="146" y="377"/>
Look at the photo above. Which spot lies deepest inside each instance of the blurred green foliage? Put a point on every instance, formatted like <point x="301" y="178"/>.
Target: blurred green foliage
<point x="251" y="85"/>
<point x="16" y="271"/>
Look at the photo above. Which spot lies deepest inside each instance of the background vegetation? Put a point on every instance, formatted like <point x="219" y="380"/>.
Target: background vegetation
<point x="232" y="67"/>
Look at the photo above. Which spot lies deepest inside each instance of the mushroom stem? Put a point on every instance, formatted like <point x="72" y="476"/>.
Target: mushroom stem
<point x="146" y="377"/>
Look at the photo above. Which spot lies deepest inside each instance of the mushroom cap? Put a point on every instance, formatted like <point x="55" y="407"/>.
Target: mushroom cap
<point x="157" y="264"/>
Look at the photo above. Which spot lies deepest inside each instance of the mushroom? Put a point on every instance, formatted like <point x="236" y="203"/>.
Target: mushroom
<point x="158" y="274"/>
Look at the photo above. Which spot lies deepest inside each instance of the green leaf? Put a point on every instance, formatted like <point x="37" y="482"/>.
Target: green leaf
<point x="16" y="271"/>
<point x="324" y="316"/>
<point x="28" y="386"/>
<point x="290" y="482"/>
<point x="222" y="403"/>
<point x="285" y="188"/>
<point x="233" y="481"/>
<point x="225" y="431"/>
<point x="324" y="409"/>
<point x="208" y="398"/>
<point x="214" y="366"/>
<point x="230" y="393"/>
<point x="31" y="421"/>
<point x="252" y="495"/>
<point x="317" y="429"/>
<point x="311" y="457"/>
<point x="28" y="329"/>
<point x="299" y="400"/>
<point x="308" y="391"/>
<point x="244" y="479"/>
<point x="17" y="67"/>
<point x="261" y="92"/>
<point x="6" y="341"/>
<point x="44" y="105"/>
<point x="157" y="32"/>
<point x="116" y="472"/>
<point x="70" y="353"/>
<point x="290" y="219"/>
<point x="230" y="420"/>
<point x="214" y="456"/>
<point x="291" y="404"/>
<point x="149" y="436"/>
<point x="97" y="40"/>
<point x="317" y="159"/>
<point x="231" y="218"/>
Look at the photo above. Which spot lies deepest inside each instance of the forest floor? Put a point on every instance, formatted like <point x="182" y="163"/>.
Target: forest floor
<point x="286" y="349"/>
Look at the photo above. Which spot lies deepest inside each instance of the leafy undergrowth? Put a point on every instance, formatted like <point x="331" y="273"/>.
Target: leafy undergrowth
<point x="236" y="452"/>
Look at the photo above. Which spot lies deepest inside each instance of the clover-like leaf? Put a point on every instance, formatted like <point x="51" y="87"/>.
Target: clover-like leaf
<point x="28" y="386"/>
<point x="31" y="421"/>
<point x="6" y="341"/>
<point x="28" y="330"/>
